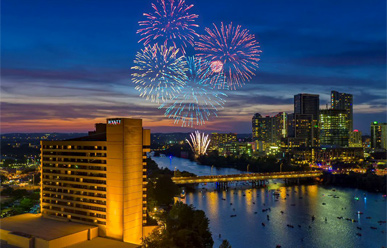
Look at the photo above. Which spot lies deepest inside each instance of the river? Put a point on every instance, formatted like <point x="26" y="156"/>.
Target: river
<point x="298" y="204"/>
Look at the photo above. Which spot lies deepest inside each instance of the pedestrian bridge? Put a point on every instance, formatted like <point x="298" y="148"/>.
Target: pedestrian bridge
<point x="246" y="177"/>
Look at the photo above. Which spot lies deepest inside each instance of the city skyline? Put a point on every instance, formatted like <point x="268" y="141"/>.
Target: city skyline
<point x="66" y="68"/>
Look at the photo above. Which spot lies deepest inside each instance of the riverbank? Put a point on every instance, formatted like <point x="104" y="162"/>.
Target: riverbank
<point x="367" y="181"/>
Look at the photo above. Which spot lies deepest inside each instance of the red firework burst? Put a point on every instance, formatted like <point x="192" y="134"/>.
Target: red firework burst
<point x="170" y="23"/>
<point x="234" y="48"/>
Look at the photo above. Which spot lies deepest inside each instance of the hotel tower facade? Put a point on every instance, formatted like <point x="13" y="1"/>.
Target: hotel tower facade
<point x="99" y="179"/>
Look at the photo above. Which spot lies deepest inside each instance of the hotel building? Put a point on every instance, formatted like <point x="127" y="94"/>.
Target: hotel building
<point x="99" y="179"/>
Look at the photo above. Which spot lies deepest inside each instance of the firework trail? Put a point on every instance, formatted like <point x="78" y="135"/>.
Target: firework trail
<point x="160" y="74"/>
<point x="170" y="23"/>
<point x="199" y="143"/>
<point x="198" y="100"/>
<point x="232" y="50"/>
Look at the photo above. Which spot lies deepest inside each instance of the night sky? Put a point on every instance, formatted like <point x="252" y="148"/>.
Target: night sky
<point x="66" y="64"/>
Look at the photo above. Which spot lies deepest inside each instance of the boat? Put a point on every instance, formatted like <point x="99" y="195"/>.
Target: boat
<point x="290" y="226"/>
<point x="324" y="203"/>
<point x="263" y="224"/>
<point x="372" y="227"/>
<point x="358" y="212"/>
<point x="233" y="215"/>
<point x="358" y="234"/>
<point x="358" y="228"/>
<point x="368" y="218"/>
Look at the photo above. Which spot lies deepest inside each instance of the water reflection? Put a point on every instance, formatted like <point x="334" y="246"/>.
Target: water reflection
<point x="301" y="203"/>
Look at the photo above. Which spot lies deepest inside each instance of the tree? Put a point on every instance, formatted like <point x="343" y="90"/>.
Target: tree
<point x="225" y="244"/>
<point x="164" y="191"/>
<point x="185" y="227"/>
<point x="189" y="227"/>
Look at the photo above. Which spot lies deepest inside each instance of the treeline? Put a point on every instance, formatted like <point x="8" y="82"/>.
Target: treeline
<point x="19" y="201"/>
<point x="181" y="225"/>
<point x="184" y="226"/>
<point x="368" y="181"/>
<point x="244" y="163"/>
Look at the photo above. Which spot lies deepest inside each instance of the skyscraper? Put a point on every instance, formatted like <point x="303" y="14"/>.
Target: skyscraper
<point x="307" y="107"/>
<point x="99" y="179"/>
<point x="343" y="101"/>
<point x="307" y="104"/>
<point x="280" y="127"/>
<point x="262" y="130"/>
<point x="378" y="135"/>
<point x="333" y="128"/>
<point x="355" y="139"/>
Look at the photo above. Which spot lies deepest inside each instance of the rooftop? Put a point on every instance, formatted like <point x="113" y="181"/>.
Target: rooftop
<point x="103" y="243"/>
<point x="37" y="226"/>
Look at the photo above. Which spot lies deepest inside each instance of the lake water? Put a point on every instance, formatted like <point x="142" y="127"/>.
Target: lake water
<point x="301" y="203"/>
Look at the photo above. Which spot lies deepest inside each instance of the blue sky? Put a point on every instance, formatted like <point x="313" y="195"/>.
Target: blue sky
<point x="66" y="64"/>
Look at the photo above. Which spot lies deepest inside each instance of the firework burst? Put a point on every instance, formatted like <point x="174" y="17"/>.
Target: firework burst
<point x="199" y="143"/>
<point x="198" y="100"/>
<point x="160" y="74"/>
<point x="170" y="23"/>
<point x="232" y="50"/>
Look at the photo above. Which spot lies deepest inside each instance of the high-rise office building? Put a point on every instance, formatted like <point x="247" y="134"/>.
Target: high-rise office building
<point x="218" y="139"/>
<point x="355" y="139"/>
<point x="307" y="107"/>
<point x="304" y="131"/>
<point x="333" y="128"/>
<point x="343" y="101"/>
<point x="378" y="135"/>
<point x="262" y="131"/>
<point x="99" y="179"/>
<point x="307" y="104"/>
<point x="280" y="127"/>
<point x="262" y="128"/>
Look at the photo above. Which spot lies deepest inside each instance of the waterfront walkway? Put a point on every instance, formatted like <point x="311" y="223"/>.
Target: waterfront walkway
<point x="246" y="177"/>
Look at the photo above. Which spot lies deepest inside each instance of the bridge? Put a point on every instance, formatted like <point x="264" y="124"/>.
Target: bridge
<point x="246" y="177"/>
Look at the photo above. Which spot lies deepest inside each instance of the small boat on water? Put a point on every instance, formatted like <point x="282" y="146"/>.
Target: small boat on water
<point x="368" y="218"/>
<point x="263" y="224"/>
<point x="324" y="203"/>
<point x="372" y="227"/>
<point x="358" y="227"/>
<point x="358" y="212"/>
<point x="358" y="234"/>
<point x="233" y="215"/>
<point x="291" y="226"/>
